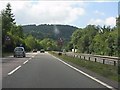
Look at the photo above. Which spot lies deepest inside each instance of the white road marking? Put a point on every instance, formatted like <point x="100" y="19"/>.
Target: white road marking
<point x="104" y="84"/>
<point x="25" y="61"/>
<point x="14" y="70"/>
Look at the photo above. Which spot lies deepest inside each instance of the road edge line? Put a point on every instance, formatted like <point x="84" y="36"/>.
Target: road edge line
<point x="104" y="84"/>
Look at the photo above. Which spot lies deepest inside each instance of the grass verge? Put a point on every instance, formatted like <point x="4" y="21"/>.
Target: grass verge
<point x="6" y="54"/>
<point x="108" y="71"/>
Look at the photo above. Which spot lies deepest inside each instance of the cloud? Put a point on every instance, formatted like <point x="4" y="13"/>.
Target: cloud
<point x="39" y="12"/>
<point x="110" y="21"/>
<point x="96" y="21"/>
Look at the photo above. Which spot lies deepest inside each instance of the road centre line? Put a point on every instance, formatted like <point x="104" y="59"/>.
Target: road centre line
<point x="104" y="84"/>
<point x="30" y="58"/>
<point x="25" y="62"/>
<point x="14" y="70"/>
<point x="18" y="67"/>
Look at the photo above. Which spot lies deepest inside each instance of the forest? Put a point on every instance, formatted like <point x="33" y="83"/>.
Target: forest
<point x="102" y="40"/>
<point x="53" y="31"/>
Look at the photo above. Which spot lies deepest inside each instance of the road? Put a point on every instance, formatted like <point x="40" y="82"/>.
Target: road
<point x="42" y="70"/>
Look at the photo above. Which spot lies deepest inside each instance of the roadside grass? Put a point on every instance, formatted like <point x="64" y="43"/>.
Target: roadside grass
<point x="108" y="71"/>
<point x="6" y="54"/>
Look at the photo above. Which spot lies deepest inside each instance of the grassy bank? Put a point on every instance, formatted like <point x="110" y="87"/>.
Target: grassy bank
<point x="6" y="54"/>
<point x="108" y="71"/>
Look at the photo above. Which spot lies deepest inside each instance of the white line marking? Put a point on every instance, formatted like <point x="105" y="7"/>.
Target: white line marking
<point x="30" y="58"/>
<point x="14" y="70"/>
<point x="104" y="84"/>
<point x="25" y="61"/>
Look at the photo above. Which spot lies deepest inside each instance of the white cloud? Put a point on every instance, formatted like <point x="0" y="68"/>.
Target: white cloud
<point x="27" y="12"/>
<point x="110" y="21"/>
<point x="95" y="21"/>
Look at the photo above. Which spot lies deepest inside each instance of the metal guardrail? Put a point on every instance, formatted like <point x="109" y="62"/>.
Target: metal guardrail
<point x="96" y="58"/>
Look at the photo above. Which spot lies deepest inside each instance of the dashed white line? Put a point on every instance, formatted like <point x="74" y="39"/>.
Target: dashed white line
<point x="104" y="84"/>
<point x="25" y="61"/>
<point x="18" y="67"/>
<point x="14" y="70"/>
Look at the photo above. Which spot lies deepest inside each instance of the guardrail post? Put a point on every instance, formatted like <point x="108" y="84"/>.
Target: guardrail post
<point x="103" y="61"/>
<point x="114" y="63"/>
<point x="95" y="59"/>
<point x="89" y="58"/>
<point x="84" y="57"/>
<point x="80" y="57"/>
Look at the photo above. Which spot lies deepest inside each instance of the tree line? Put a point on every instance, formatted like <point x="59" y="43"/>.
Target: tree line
<point x="97" y="40"/>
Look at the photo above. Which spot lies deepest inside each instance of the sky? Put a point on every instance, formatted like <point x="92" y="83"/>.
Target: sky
<point x="70" y="12"/>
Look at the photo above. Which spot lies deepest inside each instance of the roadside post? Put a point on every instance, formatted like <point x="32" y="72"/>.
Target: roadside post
<point x="60" y="44"/>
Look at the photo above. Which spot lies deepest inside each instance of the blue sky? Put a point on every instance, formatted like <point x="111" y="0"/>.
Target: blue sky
<point x="96" y="10"/>
<point x="77" y="13"/>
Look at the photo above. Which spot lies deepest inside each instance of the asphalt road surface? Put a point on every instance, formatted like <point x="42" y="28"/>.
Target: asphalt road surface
<point x="42" y="70"/>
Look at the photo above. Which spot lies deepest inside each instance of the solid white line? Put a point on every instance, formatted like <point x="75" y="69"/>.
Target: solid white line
<point x="104" y="84"/>
<point x="25" y="61"/>
<point x="14" y="70"/>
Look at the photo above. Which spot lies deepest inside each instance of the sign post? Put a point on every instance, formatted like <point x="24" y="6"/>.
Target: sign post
<point x="60" y="44"/>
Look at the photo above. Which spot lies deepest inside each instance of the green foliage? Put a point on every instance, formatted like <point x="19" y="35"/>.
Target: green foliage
<point x="30" y="42"/>
<point x="97" y="40"/>
<point x="48" y="44"/>
<point x="7" y="24"/>
<point x="48" y="31"/>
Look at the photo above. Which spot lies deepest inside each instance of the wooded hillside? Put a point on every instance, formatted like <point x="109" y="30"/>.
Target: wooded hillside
<point x="49" y="31"/>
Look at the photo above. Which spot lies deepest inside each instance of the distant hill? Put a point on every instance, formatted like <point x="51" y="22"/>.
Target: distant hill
<point x="50" y="31"/>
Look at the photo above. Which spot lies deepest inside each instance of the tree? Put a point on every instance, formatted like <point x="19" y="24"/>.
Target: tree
<point x="30" y="42"/>
<point x="7" y="20"/>
<point x="48" y="44"/>
<point x="7" y="23"/>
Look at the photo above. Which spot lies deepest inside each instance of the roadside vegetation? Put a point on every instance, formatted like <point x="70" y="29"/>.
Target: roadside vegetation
<point x="6" y="54"/>
<point x="108" y="71"/>
<point x="96" y="40"/>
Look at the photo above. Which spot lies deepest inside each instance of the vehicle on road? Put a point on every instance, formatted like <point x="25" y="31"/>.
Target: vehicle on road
<point x="19" y="51"/>
<point x="42" y="51"/>
<point x="34" y="50"/>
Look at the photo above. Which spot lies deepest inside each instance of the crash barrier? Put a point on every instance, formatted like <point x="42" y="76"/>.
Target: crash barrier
<point x="97" y="58"/>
